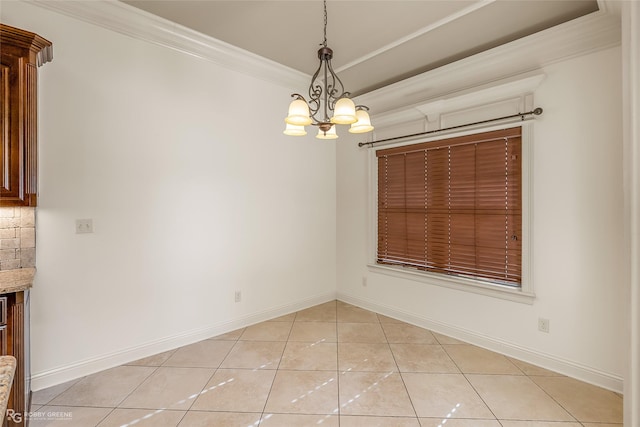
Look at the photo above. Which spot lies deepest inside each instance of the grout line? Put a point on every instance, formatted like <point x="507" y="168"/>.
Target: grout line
<point x="155" y="369"/>
<point x="182" y="418"/>
<point x="399" y="371"/>
<point x="284" y="348"/>
<point x="464" y="375"/>
<point x="76" y="381"/>
<point x="552" y="398"/>
<point x="479" y="396"/>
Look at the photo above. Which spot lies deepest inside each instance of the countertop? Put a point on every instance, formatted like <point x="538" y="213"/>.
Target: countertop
<point x="7" y="369"/>
<point x="16" y="280"/>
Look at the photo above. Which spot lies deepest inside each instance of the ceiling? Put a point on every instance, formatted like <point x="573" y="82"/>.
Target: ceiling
<point x="375" y="43"/>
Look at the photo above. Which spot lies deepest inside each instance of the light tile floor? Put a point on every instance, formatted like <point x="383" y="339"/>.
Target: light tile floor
<point x="333" y="365"/>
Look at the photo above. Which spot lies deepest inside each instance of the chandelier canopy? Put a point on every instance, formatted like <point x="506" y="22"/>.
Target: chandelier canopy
<point x="326" y="96"/>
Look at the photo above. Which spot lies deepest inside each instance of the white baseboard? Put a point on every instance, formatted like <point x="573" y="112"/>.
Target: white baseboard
<point x="82" y="368"/>
<point x="59" y="375"/>
<point x="553" y="363"/>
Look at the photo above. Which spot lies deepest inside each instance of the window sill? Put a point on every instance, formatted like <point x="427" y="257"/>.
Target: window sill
<point x="458" y="283"/>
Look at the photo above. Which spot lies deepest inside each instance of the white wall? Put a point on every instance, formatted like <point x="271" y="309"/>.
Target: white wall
<point x="193" y="190"/>
<point x="577" y="237"/>
<point x="631" y="125"/>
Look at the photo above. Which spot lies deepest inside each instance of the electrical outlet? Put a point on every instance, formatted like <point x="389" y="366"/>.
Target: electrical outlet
<point x="84" y="226"/>
<point x="238" y="296"/>
<point x="364" y="281"/>
<point x="543" y="325"/>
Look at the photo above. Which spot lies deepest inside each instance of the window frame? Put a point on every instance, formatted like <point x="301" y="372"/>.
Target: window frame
<point x="522" y="294"/>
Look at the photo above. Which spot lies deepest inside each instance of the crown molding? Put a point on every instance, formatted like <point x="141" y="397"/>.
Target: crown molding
<point x="128" y="20"/>
<point x="584" y="35"/>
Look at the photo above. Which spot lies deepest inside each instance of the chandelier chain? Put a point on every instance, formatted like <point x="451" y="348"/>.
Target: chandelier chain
<point x="324" y="42"/>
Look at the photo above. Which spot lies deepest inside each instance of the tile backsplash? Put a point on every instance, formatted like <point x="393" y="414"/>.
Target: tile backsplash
<point x="17" y="238"/>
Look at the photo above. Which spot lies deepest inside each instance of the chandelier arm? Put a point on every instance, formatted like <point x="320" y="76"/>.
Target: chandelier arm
<point x="327" y="92"/>
<point x="336" y="87"/>
<point x="315" y="92"/>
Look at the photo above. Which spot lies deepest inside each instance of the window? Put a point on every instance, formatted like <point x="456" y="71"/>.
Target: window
<point x="453" y="207"/>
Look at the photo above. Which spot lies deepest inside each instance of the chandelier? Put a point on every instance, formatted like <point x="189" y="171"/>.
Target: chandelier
<point x="326" y="96"/>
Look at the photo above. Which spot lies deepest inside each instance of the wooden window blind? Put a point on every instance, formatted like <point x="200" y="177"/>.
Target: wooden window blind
<point x="453" y="206"/>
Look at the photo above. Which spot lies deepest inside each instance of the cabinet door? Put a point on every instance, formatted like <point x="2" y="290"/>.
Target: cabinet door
<point x="22" y="52"/>
<point x="3" y="325"/>
<point x="17" y="127"/>
<point x="3" y="340"/>
<point x="9" y="151"/>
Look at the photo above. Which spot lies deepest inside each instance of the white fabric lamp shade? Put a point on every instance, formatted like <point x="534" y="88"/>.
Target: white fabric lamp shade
<point x="298" y="113"/>
<point x="344" y="112"/>
<point x="294" y="130"/>
<point x="363" y="124"/>
<point x="330" y="134"/>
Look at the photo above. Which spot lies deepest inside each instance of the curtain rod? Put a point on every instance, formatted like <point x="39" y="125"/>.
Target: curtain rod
<point x="535" y="112"/>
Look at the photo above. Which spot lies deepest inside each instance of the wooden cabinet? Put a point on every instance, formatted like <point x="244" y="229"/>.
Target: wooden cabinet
<point x="14" y="340"/>
<point x="21" y="52"/>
